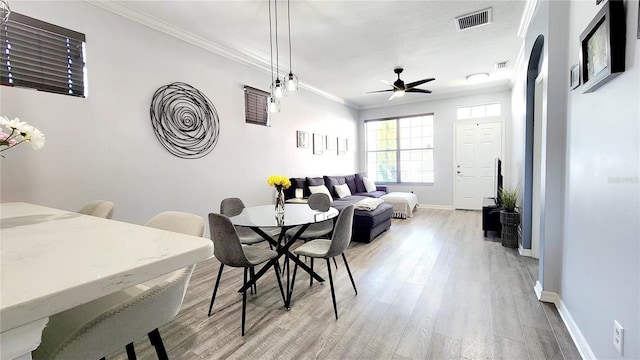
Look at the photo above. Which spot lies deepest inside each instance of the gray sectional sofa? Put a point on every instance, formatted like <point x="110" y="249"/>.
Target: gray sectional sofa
<point x="367" y="225"/>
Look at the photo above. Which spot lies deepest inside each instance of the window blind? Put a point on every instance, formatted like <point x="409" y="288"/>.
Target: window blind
<point x="255" y="106"/>
<point x="42" y="56"/>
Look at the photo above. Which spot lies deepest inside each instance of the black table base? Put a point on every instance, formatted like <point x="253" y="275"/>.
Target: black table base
<point x="283" y="250"/>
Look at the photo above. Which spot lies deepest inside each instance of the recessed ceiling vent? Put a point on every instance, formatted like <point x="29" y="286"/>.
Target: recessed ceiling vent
<point x="501" y="65"/>
<point x="478" y="18"/>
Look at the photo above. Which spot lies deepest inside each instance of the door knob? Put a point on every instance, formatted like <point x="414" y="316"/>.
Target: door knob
<point x="458" y="172"/>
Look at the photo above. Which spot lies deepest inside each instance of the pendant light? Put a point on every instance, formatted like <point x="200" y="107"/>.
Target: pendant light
<point x="4" y="11"/>
<point x="273" y="103"/>
<point x="292" y="80"/>
<point x="277" y="87"/>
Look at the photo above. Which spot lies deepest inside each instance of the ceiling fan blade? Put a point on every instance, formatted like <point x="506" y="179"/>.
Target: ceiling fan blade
<point x="371" y="92"/>
<point x="390" y="84"/>
<point x="392" y="96"/>
<point x="419" y="91"/>
<point x="419" y="82"/>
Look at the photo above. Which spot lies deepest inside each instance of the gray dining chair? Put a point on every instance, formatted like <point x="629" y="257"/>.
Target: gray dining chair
<point x="99" y="208"/>
<point x="228" y="249"/>
<point x="100" y="327"/>
<point x="328" y="249"/>
<point x="320" y="202"/>
<point x="232" y="207"/>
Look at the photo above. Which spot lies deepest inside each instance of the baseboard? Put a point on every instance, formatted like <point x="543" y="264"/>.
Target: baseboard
<point x="437" y="207"/>
<point x="525" y="252"/>
<point x="546" y="296"/>
<point x="581" y="343"/>
<point x="576" y="335"/>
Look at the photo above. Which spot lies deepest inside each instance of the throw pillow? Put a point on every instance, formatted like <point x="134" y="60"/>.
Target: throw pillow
<point x="342" y="190"/>
<point x="369" y="185"/>
<point x="320" y="189"/>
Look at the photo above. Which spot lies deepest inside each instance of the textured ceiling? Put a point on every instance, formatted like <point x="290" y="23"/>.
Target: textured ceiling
<point x="345" y="48"/>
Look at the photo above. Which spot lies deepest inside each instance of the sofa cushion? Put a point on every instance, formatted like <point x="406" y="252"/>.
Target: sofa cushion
<point x="342" y="190"/>
<point x="371" y="218"/>
<point x="315" y="181"/>
<point x="369" y="185"/>
<point x="373" y="194"/>
<point x="332" y="181"/>
<point x="320" y="189"/>
<point x="350" y="180"/>
<point x="359" y="183"/>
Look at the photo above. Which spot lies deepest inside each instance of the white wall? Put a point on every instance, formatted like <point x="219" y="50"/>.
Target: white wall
<point x="601" y="258"/>
<point x="103" y="147"/>
<point x="440" y="193"/>
<point x="591" y="256"/>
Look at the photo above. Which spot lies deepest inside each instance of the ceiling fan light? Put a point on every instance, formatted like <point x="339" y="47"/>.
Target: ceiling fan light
<point x="273" y="105"/>
<point x="399" y="93"/>
<point x="479" y="77"/>
<point x="278" y="90"/>
<point x="292" y="82"/>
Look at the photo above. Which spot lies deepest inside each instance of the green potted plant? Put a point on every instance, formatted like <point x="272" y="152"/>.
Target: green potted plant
<point x="509" y="217"/>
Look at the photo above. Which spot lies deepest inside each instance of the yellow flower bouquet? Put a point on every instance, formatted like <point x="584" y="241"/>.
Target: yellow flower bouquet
<point x="279" y="181"/>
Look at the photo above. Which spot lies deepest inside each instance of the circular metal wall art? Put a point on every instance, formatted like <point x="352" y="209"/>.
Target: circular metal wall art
<point x="184" y="120"/>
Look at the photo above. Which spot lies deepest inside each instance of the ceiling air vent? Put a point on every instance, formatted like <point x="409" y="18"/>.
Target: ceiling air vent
<point x="501" y="65"/>
<point x="477" y="18"/>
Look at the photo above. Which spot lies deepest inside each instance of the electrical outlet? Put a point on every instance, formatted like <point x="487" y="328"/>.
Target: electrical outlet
<point x="618" y="336"/>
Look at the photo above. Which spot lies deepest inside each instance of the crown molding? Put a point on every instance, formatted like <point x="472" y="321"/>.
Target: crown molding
<point x="527" y="15"/>
<point x="251" y="60"/>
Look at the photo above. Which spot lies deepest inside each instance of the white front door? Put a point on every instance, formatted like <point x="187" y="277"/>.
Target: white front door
<point x="477" y="146"/>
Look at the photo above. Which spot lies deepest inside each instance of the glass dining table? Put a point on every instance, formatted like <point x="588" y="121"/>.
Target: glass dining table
<point x="264" y="216"/>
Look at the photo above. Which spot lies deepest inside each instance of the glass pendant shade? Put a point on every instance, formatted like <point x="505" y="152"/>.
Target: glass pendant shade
<point x="4" y="11"/>
<point x="292" y="82"/>
<point x="273" y="105"/>
<point x="278" y="90"/>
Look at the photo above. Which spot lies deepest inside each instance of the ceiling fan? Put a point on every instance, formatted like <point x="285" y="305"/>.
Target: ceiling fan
<point x="399" y="87"/>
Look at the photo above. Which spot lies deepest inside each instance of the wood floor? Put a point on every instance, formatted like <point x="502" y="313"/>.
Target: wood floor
<point x="431" y="287"/>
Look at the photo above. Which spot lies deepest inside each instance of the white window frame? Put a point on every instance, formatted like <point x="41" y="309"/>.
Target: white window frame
<point x="398" y="149"/>
<point x="478" y="108"/>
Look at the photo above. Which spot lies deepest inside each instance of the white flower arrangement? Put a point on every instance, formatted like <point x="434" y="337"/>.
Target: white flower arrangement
<point x="14" y="132"/>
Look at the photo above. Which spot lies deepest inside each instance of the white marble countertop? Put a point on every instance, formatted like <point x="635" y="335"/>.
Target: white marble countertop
<point x="52" y="260"/>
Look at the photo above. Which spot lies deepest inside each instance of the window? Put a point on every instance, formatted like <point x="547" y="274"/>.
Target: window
<point x="400" y="150"/>
<point x="41" y="56"/>
<point x="255" y="106"/>
<point x="478" y="111"/>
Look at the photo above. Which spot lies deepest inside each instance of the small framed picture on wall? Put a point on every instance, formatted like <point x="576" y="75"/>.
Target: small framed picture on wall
<point x="342" y="146"/>
<point x="318" y="144"/>
<point x="574" y="76"/>
<point x="302" y="139"/>
<point x="331" y="143"/>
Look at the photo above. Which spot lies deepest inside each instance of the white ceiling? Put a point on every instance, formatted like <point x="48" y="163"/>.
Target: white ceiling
<point x="345" y="48"/>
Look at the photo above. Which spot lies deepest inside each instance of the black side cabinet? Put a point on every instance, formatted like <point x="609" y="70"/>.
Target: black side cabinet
<point x="490" y="216"/>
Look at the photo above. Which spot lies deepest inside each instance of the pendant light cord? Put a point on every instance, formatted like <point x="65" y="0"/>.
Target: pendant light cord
<point x="270" y="42"/>
<point x="289" y="23"/>
<point x="275" y="2"/>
